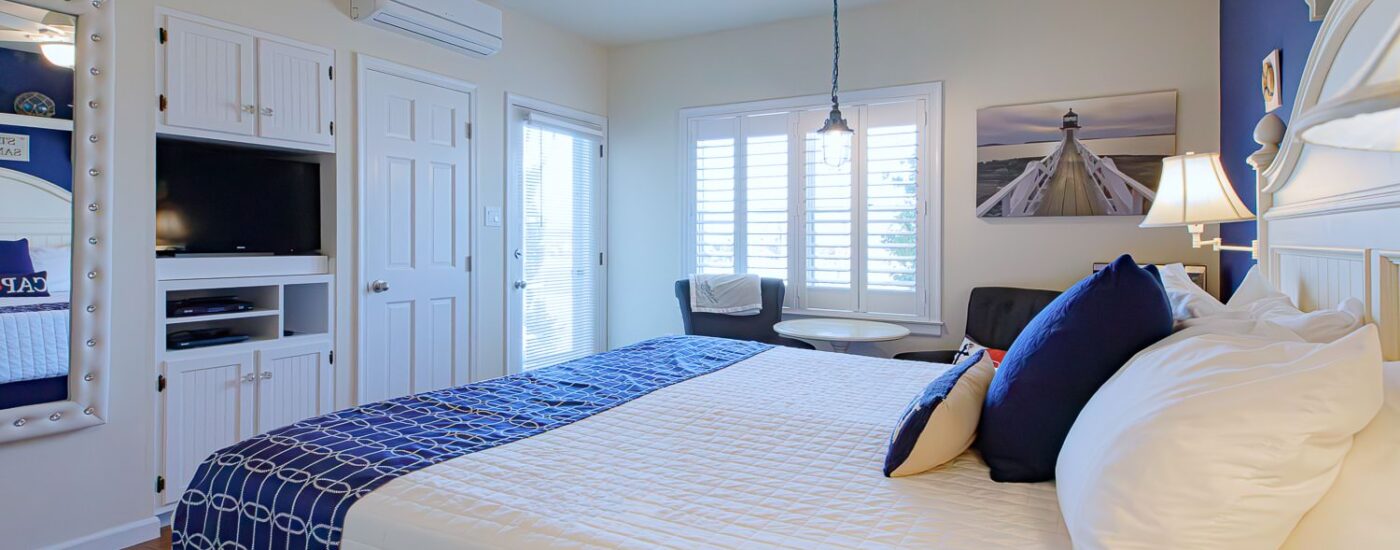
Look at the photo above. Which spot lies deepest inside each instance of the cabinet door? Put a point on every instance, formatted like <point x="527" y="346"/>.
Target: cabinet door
<point x="295" y="93"/>
<point x="294" y="383"/>
<point x="208" y="406"/>
<point x="208" y="78"/>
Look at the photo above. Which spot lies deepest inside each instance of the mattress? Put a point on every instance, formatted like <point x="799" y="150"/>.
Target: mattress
<point x="781" y="450"/>
<point x="33" y="338"/>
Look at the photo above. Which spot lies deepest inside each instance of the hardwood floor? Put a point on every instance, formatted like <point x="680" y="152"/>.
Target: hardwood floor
<point x="162" y="543"/>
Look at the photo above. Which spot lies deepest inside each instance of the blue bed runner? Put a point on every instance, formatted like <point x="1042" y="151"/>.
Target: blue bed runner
<point x="292" y="487"/>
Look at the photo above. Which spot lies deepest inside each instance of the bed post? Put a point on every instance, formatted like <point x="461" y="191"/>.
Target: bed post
<point x="1268" y="134"/>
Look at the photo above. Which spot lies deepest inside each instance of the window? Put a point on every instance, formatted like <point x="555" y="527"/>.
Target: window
<point x="858" y="240"/>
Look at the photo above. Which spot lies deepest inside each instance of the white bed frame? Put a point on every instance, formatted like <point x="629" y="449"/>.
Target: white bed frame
<point x="1329" y="219"/>
<point x="34" y="209"/>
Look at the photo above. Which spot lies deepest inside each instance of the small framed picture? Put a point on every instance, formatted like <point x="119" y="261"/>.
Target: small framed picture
<point x="1197" y="273"/>
<point x="1270" y="80"/>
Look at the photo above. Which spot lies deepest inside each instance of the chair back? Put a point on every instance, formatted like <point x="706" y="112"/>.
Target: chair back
<point x="757" y="328"/>
<point x="997" y="315"/>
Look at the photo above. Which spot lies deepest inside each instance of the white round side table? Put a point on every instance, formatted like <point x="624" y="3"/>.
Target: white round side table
<point x="840" y="333"/>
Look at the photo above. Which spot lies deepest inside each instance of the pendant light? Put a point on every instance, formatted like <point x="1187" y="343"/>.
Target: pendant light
<point x="836" y="134"/>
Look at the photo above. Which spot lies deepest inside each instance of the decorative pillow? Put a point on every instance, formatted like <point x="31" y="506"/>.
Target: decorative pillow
<point x="1253" y="288"/>
<point x="941" y="422"/>
<point x="970" y="347"/>
<point x="32" y="285"/>
<point x="1359" y="510"/>
<point x="14" y="257"/>
<point x="1216" y="441"/>
<point x="1188" y="299"/>
<point x="1057" y="363"/>
<point x="58" y="263"/>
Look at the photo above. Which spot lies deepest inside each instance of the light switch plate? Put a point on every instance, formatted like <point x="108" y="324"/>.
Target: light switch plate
<point x="493" y="216"/>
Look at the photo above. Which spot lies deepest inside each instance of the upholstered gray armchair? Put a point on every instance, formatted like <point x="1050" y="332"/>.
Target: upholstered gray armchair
<point x="757" y="328"/>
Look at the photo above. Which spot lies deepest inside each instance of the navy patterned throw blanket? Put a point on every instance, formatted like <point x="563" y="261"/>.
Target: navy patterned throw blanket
<point x="292" y="487"/>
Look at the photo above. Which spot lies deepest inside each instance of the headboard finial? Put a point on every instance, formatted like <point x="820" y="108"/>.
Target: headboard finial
<point x="1268" y="134"/>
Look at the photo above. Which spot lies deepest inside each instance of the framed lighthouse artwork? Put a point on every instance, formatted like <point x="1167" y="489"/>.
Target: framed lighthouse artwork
<point x="1084" y="157"/>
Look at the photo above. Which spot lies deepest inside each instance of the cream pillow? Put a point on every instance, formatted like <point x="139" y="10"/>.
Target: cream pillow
<point x="1216" y="441"/>
<point x="1359" y="511"/>
<point x="1188" y="299"/>
<point x="941" y="422"/>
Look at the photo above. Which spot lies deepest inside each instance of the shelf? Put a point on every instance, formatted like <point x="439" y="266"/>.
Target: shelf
<point x="221" y="316"/>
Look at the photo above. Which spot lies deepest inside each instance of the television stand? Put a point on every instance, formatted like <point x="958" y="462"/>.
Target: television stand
<point x="217" y="267"/>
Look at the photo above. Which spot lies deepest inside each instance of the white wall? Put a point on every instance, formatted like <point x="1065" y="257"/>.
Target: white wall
<point x="988" y="52"/>
<point x="66" y="487"/>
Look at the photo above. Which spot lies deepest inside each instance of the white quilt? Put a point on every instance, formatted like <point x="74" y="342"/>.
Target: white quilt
<point x="33" y="344"/>
<point x="781" y="450"/>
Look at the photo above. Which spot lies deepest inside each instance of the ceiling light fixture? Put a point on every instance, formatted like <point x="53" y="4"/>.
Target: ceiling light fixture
<point x="836" y="132"/>
<point x="58" y="53"/>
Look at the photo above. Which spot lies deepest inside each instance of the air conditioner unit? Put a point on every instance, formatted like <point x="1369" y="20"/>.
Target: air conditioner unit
<point x="467" y="26"/>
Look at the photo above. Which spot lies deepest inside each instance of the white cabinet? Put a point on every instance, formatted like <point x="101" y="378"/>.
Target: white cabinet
<point x="208" y="78"/>
<point x="294" y="383"/>
<point x="296" y="97"/>
<point x="220" y="81"/>
<point x="209" y="405"/>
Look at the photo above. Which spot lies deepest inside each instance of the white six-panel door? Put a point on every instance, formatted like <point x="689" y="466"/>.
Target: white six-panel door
<point x="296" y="96"/>
<point x="294" y="383"/>
<point x="209" y="78"/>
<point x="415" y="202"/>
<point x="209" y="405"/>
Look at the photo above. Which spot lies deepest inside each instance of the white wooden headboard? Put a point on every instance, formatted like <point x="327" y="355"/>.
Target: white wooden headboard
<point x="1329" y="219"/>
<point x="34" y="209"/>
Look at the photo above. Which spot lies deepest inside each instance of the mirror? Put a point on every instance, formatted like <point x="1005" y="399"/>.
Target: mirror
<point x="37" y="56"/>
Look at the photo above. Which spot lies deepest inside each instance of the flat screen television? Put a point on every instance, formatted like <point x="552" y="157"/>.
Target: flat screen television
<point x="219" y="199"/>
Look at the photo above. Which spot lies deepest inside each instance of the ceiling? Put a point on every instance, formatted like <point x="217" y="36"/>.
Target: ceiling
<point x="620" y="22"/>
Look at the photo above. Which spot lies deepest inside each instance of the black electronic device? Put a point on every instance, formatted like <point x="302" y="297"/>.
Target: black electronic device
<point x="207" y="305"/>
<point x="200" y="338"/>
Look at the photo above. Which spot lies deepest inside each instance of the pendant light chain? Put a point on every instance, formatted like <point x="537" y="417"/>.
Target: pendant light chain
<point x="836" y="51"/>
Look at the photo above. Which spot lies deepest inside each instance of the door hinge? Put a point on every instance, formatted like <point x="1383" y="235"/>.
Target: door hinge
<point x="163" y="102"/>
<point x="330" y="72"/>
<point x="469" y="264"/>
<point x="332" y="127"/>
<point x="160" y="484"/>
<point x="163" y="35"/>
<point x="330" y="357"/>
<point x="469" y="130"/>
<point x="600" y="258"/>
<point x="160" y="383"/>
<point x="600" y="150"/>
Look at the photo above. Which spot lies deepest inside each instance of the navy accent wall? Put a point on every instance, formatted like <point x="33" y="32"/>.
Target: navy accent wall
<point x="50" y="154"/>
<point x="1249" y="30"/>
<point x="22" y="71"/>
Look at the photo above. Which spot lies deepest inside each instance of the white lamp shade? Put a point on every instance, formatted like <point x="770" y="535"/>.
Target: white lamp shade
<point x="1366" y="115"/>
<point x="1195" y="190"/>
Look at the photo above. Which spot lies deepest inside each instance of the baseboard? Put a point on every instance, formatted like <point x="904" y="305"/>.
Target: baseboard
<point x="120" y="536"/>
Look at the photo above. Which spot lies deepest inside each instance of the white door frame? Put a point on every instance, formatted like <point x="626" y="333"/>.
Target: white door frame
<point x="364" y="65"/>
<point x="513" y="272"/>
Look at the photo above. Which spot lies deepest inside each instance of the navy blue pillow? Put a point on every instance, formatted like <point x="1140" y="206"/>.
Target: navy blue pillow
<point x="14" y="258"/>
<point x="28" y="285"/>
<point x="917" y="415"/>
<point x="1061" y="358"/>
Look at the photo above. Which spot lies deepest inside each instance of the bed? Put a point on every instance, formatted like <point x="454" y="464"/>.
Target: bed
<point x="34" y="332"/>
<point x="693" y="442"/>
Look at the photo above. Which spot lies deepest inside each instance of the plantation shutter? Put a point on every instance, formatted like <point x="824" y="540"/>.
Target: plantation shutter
<point x="715" y="149"/>
<point x="560" y="169"/>
<point x="832" y="251"/>
<point x="891" y="208"/>
<point x="763" y="184"/>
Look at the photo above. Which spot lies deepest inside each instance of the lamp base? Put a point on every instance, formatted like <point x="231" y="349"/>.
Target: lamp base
<point x="1218" y="244"/>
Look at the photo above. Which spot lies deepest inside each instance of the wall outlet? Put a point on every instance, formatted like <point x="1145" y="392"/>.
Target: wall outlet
<point x="493" y="216"/>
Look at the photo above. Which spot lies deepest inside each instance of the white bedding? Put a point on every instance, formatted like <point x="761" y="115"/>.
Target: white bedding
<point x="33" y="344"/>
<point x="781" y="450"/>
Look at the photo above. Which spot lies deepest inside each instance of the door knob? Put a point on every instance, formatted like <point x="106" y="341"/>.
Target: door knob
<point x="379" y="286"/>
<point x="520" y="285"/>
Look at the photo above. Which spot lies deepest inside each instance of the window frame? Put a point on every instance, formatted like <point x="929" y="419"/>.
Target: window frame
<point x="929" y="320"/>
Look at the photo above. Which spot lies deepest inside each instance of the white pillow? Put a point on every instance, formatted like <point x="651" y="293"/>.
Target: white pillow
<point x="941" y="422"/>
<point x="1188" y="299"/>
<point x="1215" y="441"/>
<point x="1253" y="288"/>
<point x="58" y="262"/>
<point x="1360" y="509"/>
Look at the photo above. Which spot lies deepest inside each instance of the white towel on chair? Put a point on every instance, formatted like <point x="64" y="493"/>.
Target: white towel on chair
<point x="728" y="294"/>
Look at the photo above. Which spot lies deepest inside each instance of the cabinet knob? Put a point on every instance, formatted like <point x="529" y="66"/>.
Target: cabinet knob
<point x="267" y="111"/>
<point x="250" y="109"/>
<point x="249" y="378"/>
<point x="266" y="375"/>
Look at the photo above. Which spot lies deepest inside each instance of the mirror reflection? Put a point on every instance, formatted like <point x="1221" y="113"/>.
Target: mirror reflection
<point x="36" y="204"/>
